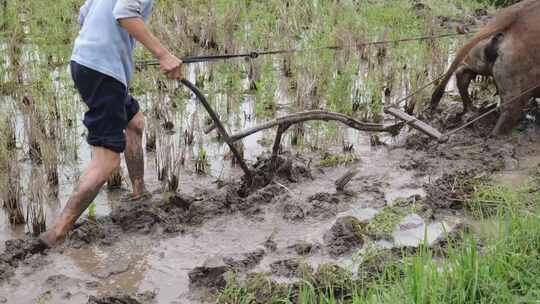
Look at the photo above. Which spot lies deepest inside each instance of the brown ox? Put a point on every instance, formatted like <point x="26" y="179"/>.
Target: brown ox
<point x="507" y="48"/>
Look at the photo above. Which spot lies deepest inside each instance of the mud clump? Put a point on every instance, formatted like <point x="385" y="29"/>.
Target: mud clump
<point x="417" y="141"/>
<point x="177" y="210"/>
<point x="293" y="212"/>
<point x="469" y="150"/>
<point x="290" y="268"/>
<point x="135" y="217"/>
<point x="33" y="263"/>
<point x="270" y="244"/>
<point x="323" y="205"/>
<point x="321" y="210"/>
<point x="206" y="209"/>
<point x="142" y="217"/>
<point x="214" y="204"/>
<point x="16" y="251"/>
<point x="464" y="160"/>
<point x="288" y="169"/>
<point x="120" y="299"/>
<point x="325" y="197"/>
<point x="101" y="231"/>
<point x="212" y="273"/>
<point x="303" y="248"/>
<point x="452" y="189"/>
<point x="228" y="200"/>
<point x="320" y="206"/>
<point x="6" y="271"/>
<point x="181" y="201"/>
<point x="264" y="195"/>
<point x="172" y="212"/>
<point x="245" y="261"/>
<point x="253" y="203"/>
<point x="345" y="235"/>
<point x="374" y="187"/>
<point x="415" y="162"/>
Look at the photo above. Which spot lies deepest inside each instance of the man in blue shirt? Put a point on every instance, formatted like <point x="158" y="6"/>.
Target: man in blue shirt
<point x="101" y="68"/>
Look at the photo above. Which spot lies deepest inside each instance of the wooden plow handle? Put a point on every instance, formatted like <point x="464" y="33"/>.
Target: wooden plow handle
<point x="219" y="126"/>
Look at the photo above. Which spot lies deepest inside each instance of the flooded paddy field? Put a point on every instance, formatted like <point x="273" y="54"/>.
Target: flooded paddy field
<point x="202" y="232"/>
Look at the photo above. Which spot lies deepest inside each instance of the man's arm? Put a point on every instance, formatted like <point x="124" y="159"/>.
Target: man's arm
<point x="169" y="64"/>
<point x="129" y="14"/>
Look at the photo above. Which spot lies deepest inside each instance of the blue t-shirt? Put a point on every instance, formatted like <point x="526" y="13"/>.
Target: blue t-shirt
<point x="103" y="45"/>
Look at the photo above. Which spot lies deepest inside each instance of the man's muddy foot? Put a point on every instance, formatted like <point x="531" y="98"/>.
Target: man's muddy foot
<point x="135" y="198"/>
<point x="48" y="240"/>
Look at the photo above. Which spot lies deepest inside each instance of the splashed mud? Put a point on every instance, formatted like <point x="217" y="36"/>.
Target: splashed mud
<point x="165" y="245"/>
<point x="180" y="247"/>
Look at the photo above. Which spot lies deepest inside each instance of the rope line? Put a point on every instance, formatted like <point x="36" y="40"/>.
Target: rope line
<point x="256" y="54"/>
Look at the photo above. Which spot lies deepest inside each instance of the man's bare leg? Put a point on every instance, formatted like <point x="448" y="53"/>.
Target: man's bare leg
<point x="103" y="163"/>
<point x="134" y="154"/>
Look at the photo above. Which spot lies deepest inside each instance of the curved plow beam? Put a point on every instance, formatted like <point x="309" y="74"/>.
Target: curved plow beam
<point x="318" y="115"/>
<point x="283" y="124"/>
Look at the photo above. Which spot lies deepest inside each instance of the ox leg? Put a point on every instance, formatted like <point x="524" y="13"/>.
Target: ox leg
<point x="511" y="112"/>
<point x="464" y="76"/>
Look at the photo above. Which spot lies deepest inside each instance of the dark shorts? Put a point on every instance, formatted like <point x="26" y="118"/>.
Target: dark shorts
<point x="110" y="107"/>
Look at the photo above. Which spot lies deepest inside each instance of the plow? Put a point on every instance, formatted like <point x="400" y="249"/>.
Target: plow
<point x="283" y="123"/>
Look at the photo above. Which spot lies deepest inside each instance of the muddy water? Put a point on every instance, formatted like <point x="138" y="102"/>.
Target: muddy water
<point x="140" y="263"/>
<point x="162" y="266"/>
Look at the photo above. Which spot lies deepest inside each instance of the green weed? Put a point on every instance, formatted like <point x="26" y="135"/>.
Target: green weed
<point x="330" y="160"/>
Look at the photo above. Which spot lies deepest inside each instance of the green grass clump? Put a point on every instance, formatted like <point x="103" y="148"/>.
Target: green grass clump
<point x="333" y="278"/>
<point x="339" y="159"/>
<point x="92" y="211"/>
<point x="385" y="222"/>
<point x="257" y="288"/>
<point x="202" y="164"/>
<point x="488" y="200"/>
